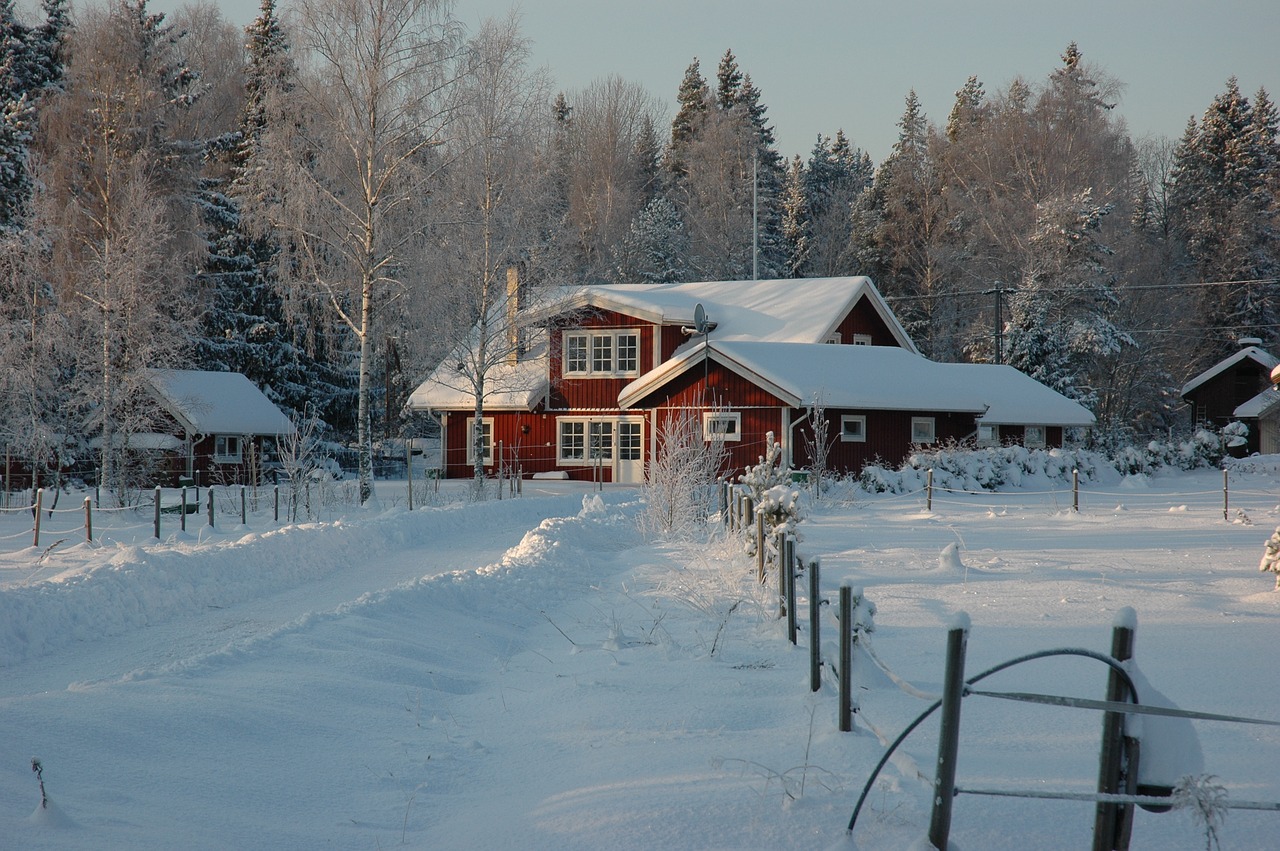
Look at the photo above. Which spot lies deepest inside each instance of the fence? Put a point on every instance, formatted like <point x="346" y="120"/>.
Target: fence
<point x="1119" y="751"/>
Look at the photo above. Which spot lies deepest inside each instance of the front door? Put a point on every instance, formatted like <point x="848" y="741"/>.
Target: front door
<point x="628" y="465"/>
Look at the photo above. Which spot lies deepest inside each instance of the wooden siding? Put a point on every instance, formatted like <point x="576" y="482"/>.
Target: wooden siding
<point x="572" y="393"/>
<point x="1222" y="394"/>
<point x="863" y="319"/>
<point x="726" y="389"/>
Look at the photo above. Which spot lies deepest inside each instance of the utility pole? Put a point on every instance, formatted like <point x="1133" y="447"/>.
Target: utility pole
<point x="755" y="206"/>
<point x="999" y="327"/>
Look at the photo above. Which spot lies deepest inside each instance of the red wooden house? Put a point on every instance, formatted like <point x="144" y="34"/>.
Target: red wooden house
<point x="604" y="364"/>
<point x="1224" y="391"/>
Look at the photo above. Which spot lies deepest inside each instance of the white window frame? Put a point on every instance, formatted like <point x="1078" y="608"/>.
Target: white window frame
<point x="924" y="430"/>
<point x="600" y="353"/>
<point x="486" y="423"/>
<point x="993" y="435"/>
<point x="862" y="339"/>
<point x="596" y="434"/>
<point x="1038" y="441"/>
<point x="861" y="435"/>
<point x="712" y="433"/>
<point x="222" y="454"/>
<point x="834" y="339"/>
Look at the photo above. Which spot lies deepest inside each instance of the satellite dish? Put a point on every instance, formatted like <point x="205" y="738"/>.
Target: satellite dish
<point x="699" y="318"/>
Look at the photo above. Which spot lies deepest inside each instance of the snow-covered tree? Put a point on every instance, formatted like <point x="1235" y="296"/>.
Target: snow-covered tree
<point x="656" y="249"/>
<point x="1271" y="556"/>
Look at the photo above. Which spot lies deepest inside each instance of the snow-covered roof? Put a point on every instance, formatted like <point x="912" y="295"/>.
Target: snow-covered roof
<point x="1264" y="359"/>
<point x="512" y="387"/>
<point x="217" y="403"/>
<point x="1260" y="405"/>
<point x="878" y="378"/>
<point x="793" y="310"/>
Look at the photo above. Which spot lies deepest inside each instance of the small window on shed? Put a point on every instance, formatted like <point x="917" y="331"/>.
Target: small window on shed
<point x="853" y="428"/>
<point x="226" y="449"/>
<point x="988" y="435"/>
<point x="1033" y="437"/>
<point x="922" y="430"/>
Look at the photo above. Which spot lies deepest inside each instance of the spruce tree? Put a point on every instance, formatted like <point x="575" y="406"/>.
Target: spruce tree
<point x="693" y="98"/>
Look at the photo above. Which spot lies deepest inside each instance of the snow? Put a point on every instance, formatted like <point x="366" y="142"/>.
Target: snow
<point x="217" y="402"/>
<point x="1262" y="357"/>
<point x="532" y="673"/>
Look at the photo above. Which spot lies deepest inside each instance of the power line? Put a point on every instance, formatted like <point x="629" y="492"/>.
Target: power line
<point x="1123" y="288"/>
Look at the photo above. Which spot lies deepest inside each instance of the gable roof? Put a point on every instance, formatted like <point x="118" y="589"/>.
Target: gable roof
<point x="792" y="310"/>
<point x="1263" y="358"/>
<point x="876" y="378"/>
<point x="1259" y="406"/>
<point x="216" y="402"/>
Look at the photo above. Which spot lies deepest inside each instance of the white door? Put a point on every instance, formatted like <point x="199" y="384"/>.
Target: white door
<point x="628" y="465"/>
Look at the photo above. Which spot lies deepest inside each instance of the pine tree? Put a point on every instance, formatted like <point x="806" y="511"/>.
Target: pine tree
<point x="967" y="112"/>
<point x="693" y="98"/>
<point x="656" y="248"/>
<point x="796" y="220"/>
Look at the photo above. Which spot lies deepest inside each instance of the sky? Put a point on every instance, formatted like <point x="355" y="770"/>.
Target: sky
<point x="825" y="65"/>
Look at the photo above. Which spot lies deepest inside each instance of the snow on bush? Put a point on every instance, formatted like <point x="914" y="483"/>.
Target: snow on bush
<point x="769" y="482"/>
<point x="958" y="467"/>
<point x="1271" y="556"/>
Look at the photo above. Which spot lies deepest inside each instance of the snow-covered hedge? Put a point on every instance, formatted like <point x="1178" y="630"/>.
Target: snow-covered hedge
<point x="958" y="467"/>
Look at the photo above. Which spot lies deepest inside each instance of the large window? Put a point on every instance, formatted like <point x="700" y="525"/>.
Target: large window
<point x="720" y="425"/>
<point x="1033" y="437"/>
<point x="602" y="354"/>
<point x="486" y="437"/>
<point x="584" y="441"/>
<point x="853" y="428"/>
<point x="923" y="430"/>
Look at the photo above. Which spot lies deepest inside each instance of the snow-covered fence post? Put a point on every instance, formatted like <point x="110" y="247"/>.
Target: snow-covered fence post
<point x="928" y="491"/>
<point x="1112" y="823"/>
<point x="815" y="621"/>
<point x="1226" y="500"/>
<point x="1075" y="490"/>
<point x="760" y="544"/>
<point x="944" y="781"/>
<point x="846" y="659"/>
<point x="36" y="528"/>
<point x="156" y="525"/>
<point x="88" y="520"/>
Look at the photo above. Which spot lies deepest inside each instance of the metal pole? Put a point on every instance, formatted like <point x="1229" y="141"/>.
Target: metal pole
<point x="276" y="499"/>
<point x="760" y="542"/>
<point x="944" y="783"/>
<point x="1225" y="496"/>
<point x="210" y="506"/>
<point x="790" y="559"/>
<point x="183" y="522"/>
<point x="928" y="491"/>
<point x="783" y="605"/>
<point x="1075" y="491"/>
<point x="1110" y="822"/>
<point x="157" y="503"/>
<point x="244" y="517"/>
<point x="815" y="621"/>
<point x="408" y="471"/>
<point x="846" y="659"/>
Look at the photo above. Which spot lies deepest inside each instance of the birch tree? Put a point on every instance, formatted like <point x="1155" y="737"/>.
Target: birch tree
<point x="373" y="93"/>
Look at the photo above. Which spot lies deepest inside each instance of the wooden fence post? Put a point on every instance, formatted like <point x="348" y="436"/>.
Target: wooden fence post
<point x="244" y="517"/>
<point x="183" y="522"/>
<point x="35" y="542"/>
<point x="928" y="491"/>
<point x="846" y="659"/>
<point x="88" y="520"/>
<point x="760" y="544"/>
<point x="815" y="621"/>
<point x="157" y="513"/>
<point x="1225" y="496"/>
<point x="944" y="782"/>
<point x="789" y="559"/>
<point x="210" y="506"/>
<point x="781" y="545"/>
<point x="1112" y="823"/>
<point x="1075" y="490"/>
<point x="275" y="494"/>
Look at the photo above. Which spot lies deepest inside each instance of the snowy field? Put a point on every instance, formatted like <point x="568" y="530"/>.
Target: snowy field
<point x="533" y="674"/>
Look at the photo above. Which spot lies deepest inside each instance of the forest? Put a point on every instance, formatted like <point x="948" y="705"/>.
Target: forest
<point x="329" y="200"/>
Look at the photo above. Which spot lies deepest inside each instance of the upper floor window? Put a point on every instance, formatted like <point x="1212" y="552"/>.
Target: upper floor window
<point x="602" y="354"/>
<point x="862" y="339"/>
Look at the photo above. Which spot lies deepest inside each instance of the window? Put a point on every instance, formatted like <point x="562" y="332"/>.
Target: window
<point x="226" y="449"/>
<point x="853" y="428"/>
<point x="722" y="426"/>
<point x="834" y="338"/>
<point x="862" y="339"/>
<point x="629" y="443"/>
<point x="1033" y="437"/>
<point x="602" y="354"/>
<point x="922" y="430"/>
<point x="486" y="438"/>
<point x="988" y="435"/>
<point x="575" y="353"/>
<point x="584" y="441"/>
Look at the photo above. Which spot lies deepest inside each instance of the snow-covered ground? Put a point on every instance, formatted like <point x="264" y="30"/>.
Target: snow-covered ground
<point x="533" y="674"/>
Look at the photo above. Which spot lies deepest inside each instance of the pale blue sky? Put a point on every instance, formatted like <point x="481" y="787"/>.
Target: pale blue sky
<point x="822" y="65"/>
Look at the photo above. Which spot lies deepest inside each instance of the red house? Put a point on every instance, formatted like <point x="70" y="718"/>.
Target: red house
<point x="600" y="366"/>
<point x="1226" y="390"/>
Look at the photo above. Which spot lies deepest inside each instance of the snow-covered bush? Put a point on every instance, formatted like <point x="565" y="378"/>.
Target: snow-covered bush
<point x="680" y="478"/>
<point x="1271" y="556"/>
<point x="769" y="483"/>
